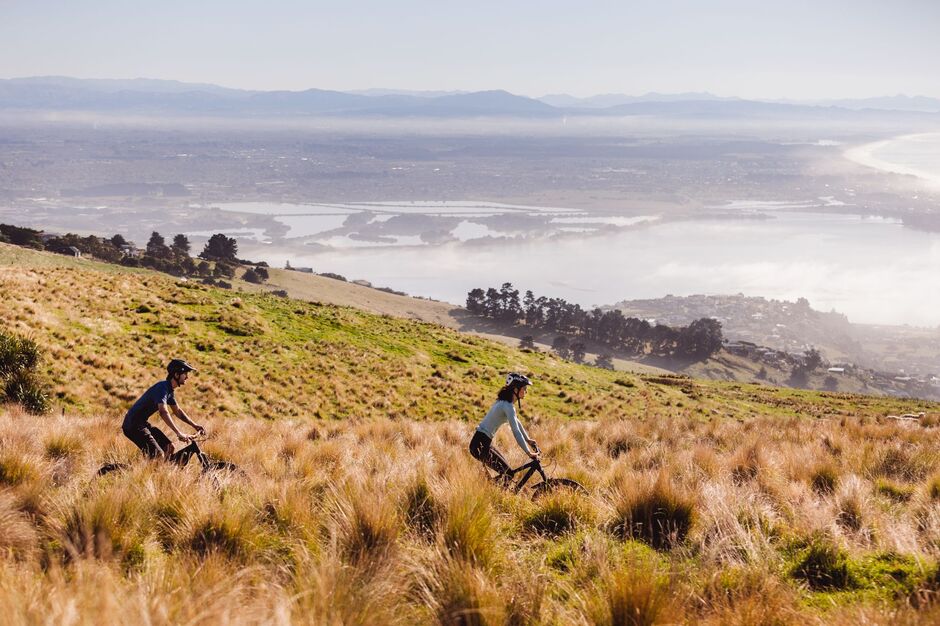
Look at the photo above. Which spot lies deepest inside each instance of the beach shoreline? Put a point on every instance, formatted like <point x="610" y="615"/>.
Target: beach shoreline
<point x="866" y="154"/>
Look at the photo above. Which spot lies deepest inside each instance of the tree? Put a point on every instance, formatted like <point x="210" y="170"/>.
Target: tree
<point x="700" y="339"/>
<point x="476" y="301"/>
<point x="604" y="361"/>
<point x="812" y="359"/>
<point x="156" y="246"/>
<point x="262" y="272"/>
<point x="119" y="242"/>
<point x="577" y="352"/>
<point x="181" y="245"/>
<point x="527" y="343"/>
<point x="220" y="248"/>
<point x="224" y="270"/>
<point x="560" y="346"/>
<point x="250" y="276"/>
<point x="510" y="309"/>
<point x="18" y="236"/>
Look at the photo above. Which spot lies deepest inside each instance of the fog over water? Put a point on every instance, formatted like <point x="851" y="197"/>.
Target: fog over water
<point x="872" y="269"/>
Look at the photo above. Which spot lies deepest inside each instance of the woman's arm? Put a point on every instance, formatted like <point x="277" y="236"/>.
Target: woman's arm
<point x="518" y="432"/>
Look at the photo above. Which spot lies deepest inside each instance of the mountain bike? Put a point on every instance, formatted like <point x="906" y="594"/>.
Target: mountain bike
<point x="547" y="485"/>
<point x="181" y="458"/>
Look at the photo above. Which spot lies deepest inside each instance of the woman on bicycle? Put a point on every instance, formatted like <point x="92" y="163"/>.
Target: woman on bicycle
<point x="502" y="411"/>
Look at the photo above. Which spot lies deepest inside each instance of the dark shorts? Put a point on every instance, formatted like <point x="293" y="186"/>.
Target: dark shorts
<point x="149" y="439"/>
<point x="481" y="447"/>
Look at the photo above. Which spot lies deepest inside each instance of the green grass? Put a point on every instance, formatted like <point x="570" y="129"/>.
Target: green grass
<point x="108" y="331"/>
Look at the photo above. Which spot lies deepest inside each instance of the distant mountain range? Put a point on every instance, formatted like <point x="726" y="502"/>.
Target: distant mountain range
<point x="55" y="93"/>
<point x="921" y="104"/>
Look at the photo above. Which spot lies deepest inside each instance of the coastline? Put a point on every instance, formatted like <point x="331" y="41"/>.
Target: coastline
<point x="865" y="155"/>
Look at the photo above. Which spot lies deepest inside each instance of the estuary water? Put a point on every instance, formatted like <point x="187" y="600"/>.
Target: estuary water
<point x="872" y="269"/>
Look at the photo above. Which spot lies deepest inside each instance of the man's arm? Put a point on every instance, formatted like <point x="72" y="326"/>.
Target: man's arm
<point x="169" y="421"/>
<point x="178" y="412"/>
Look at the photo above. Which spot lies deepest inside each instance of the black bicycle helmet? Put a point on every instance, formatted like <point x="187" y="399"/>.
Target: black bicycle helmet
<point x="178" y="366"/>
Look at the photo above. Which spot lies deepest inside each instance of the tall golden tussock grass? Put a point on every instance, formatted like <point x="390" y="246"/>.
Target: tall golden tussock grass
<point x="367" y="524"/>
<point x="470" y="530"/>
<point x="653" y="509"/>
<point x="635" y="595"/>
<point x="18" y="538"/>
<point x="746" y="595"/>
<point x="457" y="593"/>
<point x="391" y="521"/>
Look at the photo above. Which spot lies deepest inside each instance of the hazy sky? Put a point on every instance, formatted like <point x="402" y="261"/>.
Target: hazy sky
<point x="754" y="48"/>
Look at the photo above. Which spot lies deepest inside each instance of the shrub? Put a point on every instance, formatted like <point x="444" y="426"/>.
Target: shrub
<point x="658" y="513"/>
<point x="823" y="566"/>
<point x="19" y="363"/>
<point x="850" y="514"/>
<point x="902" y="464"/>
<point x="15" y="471"/>
<point x="746" y="464"/>
<point x="742" y="596"/>
<point x="369" y="529"/>
<point x="17" y="354"/>
<point x="895" y="491"/>
<point x="557" y="514"/>
<point x="468" y="530"/>
<point x="103" y="527"/>
<point x="25" y="389"/>
<point x="61" y="446"/>
<point x="824" y="479"/>
<point x="422" y="511"/>
<point x="463" y="596"/>
<point x="933" y="488"/>
<point x="218" y="533"/>
<point x="634" y="596"/>
<point x="18" y="537"/>
<point x="619" y="444"/>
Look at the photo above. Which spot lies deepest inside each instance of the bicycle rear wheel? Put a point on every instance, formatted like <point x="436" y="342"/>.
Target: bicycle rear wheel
<point x="551" y="485"/>
<point x="111" y="467"/>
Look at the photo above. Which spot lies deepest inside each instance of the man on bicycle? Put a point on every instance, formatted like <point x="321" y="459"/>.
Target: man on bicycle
<point x="159" y="398"/>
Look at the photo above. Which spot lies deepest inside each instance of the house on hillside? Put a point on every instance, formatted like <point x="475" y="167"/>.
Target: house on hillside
<point x="130" y="251"/>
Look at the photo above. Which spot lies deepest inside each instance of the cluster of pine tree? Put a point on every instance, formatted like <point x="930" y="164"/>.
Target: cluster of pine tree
<point x="218" y="259"/>
<point x="610" y="329"/>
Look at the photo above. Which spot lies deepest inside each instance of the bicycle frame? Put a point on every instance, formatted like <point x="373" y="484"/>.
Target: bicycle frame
<point x="181" y="457"/>
<point x="533" y="466"/>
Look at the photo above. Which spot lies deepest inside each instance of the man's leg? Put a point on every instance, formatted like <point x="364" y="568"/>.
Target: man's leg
<point x="162" y="441"/>
<point x="143" y="439"/>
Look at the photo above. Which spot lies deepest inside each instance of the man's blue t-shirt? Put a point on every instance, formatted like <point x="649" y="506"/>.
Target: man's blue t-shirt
<point x="147" y="404"/>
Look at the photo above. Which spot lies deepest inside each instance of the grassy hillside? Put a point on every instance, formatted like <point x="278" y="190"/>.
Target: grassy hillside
<point x="709" y="502"/>
<point x="108" y="332"/>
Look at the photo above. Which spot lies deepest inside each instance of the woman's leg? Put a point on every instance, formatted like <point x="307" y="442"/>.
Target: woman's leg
<point x="481" y="447"/>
